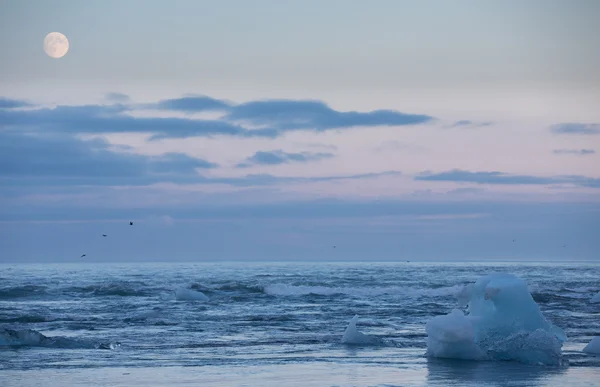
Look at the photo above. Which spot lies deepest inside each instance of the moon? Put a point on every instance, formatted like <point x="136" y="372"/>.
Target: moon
<point x="56" y="45"/>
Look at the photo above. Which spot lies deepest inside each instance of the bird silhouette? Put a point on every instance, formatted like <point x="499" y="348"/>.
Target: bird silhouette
<point x="131" y="223"/>
<point x="103" y="235"/>
<point x="82" y="255"/>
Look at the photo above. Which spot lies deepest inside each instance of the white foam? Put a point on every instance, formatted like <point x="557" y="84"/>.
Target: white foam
<point x="581" y="289"/>
<point x="503" y="323"/>
<point x="593" y="346"/>
<point x="353" y="337"/>
<point x="184" y="294"/>
<point x="596" y="298"/>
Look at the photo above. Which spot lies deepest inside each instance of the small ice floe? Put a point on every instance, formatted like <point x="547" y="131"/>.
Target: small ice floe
<point x="184" y="294"/>
<point x="596" y="299"/>
<point x="593" y="346"/>
<point x="353" y="337"/>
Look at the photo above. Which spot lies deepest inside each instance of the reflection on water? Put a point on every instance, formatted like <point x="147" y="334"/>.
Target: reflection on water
<point x="450" y="372"/>
<point x="447" y="373"/>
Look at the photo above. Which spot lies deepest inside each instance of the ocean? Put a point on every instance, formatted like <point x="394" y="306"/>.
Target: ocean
<point x="270" y="324"/>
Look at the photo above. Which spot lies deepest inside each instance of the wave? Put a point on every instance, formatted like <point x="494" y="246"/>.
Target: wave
<point x="9" y="293"/>
<point x="401" y="291"/>
<point x="140" y="289"/>
<point x="549" y="297"/>
<point x="120" y="288"/>
<point x="32" y="338"/>
<point x="237" y="287"/>
<point x="24" y="319"/>
<point x="582" y="289"/>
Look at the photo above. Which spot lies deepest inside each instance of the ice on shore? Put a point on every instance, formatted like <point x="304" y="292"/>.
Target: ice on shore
<point x="502" y="322"/>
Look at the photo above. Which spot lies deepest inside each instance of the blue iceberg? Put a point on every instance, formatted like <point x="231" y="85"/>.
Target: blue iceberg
<point x="502" y="322"/>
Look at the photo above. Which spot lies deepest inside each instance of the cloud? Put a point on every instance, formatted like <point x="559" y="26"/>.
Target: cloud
<point x="503" y="178"/>
<point x="302" y="114"/>
<point x="318" y="145"/>
<point x="267" y="179"/>
<point x="580" y="152"/>
<point x="64" y="160"/>
<point x="465" y="191"/>
<point x="331" y="178"/>
<point x="177" y="162"/>
<point x="117" y="97"/>
<point x="576" y="128"/>
<point x="103" y="119"/>
<point x="191" y="104"/>
<point x="7" y="103"/>
<point x="470" y="123"/>
<point x="273" y="117"/>
<point x="277" y="157"/>
<point x="463" y="123"/>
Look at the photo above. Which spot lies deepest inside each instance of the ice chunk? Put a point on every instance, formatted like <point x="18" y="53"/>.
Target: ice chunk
<point x="353" y="337"/>
<point x="593" y="346"/>
<point x="464" y="295"/>
<point x="452" y="336"/>
<point x="503" y="322"/>
<point x="184" y="294"/>
<point x="596" y="298"/>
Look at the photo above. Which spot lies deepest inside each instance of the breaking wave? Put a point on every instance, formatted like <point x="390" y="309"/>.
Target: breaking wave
<point x="120" y="288"/>
<point x="32" y="338"/>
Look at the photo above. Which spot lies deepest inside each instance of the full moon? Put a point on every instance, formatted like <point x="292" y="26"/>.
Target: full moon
<point x="56" y="45"/>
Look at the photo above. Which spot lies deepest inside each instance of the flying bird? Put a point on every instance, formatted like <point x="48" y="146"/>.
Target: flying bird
<point x="131" y="223"/>
<point x="82" y="255"/>
<point x="103" y="235"/>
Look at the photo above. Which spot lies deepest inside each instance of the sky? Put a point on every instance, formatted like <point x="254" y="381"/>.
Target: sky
<point x="276" y="130"/>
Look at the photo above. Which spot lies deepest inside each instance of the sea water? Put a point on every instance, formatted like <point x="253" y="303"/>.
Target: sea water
<point x="276" y="324"/>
